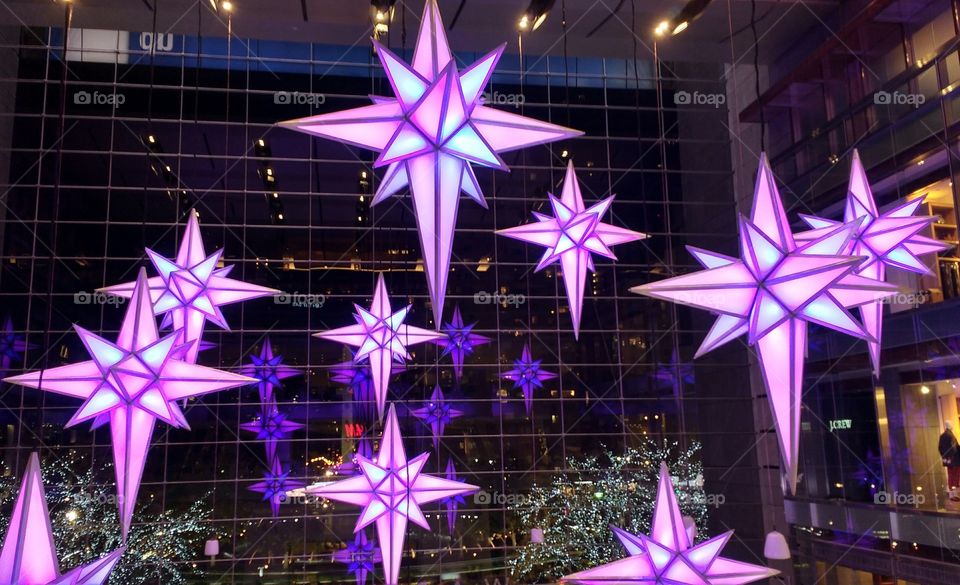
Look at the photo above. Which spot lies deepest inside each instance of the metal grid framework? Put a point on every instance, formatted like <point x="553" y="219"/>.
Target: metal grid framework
<point x="628" y="378"/>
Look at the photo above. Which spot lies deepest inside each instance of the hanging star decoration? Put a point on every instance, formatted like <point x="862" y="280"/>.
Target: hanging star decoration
<point x="668" y="556"/>
<point x="527" y="376"/>
<point x="275" y="485"/>
<point x="360" y="556"/>
<point x="771" y="293"/>
<point x="29" y="556"/>
<point x="885" y="240"/>
<point x="12" y="345"/>
<point x="271" y="429"/>
<point x="191" y="289"/>
<point x="460" y="341"/>
<point x="452" y="503"/>
<point x="356" y="376"/>
<point x="571" y="236"/>
<point x="391" y="490"/>
<point x="381" y="337"/>
<point x="133" y="382"/>
<point x="429" y="135"/>
<point x="437" y="414"/>
<point x="269" y="370"/>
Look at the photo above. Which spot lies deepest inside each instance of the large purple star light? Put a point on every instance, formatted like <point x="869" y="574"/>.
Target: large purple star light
<point x="890" y="239"/>
<point x="437" y="413"/>
<point x="667" y="556"/>
<point x="29" y="556"/>
<point x="527" y="376"/>
<point x="134" y="382"/>
<point x="460" y="341"/>
<point x="275" y="485"/>
<point x="391" y="490"/>
<point x="269" y="370"/>
<point x="191" y="289"/>
<point x="572" y="235"/>
<point x="771" y="293"/>
<point x="381" y="338"/>
<point x="429" y="135"/>
<point x="360" y="556"/>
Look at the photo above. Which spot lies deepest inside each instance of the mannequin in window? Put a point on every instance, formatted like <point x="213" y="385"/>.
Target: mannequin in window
<point x="950" y="453"/>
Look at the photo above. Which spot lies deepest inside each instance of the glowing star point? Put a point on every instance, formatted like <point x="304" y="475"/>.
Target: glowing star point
<point x="29" y="556"/>
<point x="381" y="337"/>
<point x="437" y="413"/>
<point x="527" y="376"/>
<point x="668" y="556"/>
<point x="391" y="489"/>
<point x="571" y="236"/>
<point x="430" y="134"/>
<point x="460" y="341"/>
<point x="191" y="289"/>
<point x="884" y="240"/>
<point x="771" y="293"/>
<point x="131" y="383"/>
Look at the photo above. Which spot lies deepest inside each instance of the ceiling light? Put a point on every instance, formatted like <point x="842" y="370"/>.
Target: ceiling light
<point x="227" y="6"/>
<point x="681" y="27"/>
<point x="535" y="14"/>
<point x="662" y="28"/>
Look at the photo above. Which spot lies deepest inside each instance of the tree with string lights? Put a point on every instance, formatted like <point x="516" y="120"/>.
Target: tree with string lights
<point x="576" y="509"/>
<point x="160" y="547"/>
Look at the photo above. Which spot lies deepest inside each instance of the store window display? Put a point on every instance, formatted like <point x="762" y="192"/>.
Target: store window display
<point x="950" y="455"/>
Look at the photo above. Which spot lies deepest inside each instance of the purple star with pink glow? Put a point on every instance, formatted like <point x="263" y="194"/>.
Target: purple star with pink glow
<point x="269" y="370"/>
<point x="272" y="428"/>
<point x="453" y="502"/>
<point x="429" y="135"/>
<point x="668" y="555"/>
<point x="571" y="236"/>
<point x="885" y="240"/>
<point x="460" y="341"/>
<point x="29" y="556"/>
<point x="771" y="293"/>
<point x="391" y="489"/>
<point x="381" y="337"/>
<point x="275" y="485"/>
<point x="437" y="413"/>
<point x="360" y="556"/>
<point x="191" y="289"/>
<point x="527" y="376"/>
<point x="134" y="382"/>
<point x="12" y="345"/>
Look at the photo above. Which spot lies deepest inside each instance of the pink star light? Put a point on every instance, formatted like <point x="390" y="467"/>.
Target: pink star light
<point x="381" y="337"/>
<point x="391" y="490"/>
<point x="191" y="289"/>
<point x="29" y="556"/>
<point x="667" y="556"/>
<point x="571" y="236"/>
<point x="134" y="382"/>
<point x="770" y="294"/>
<point x="429" y="135"/>
<point x="889" y="239"/>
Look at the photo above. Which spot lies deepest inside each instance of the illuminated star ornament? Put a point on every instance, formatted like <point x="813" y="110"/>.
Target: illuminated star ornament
<point x="191" y="289"/>
<point x="771" y="293"/>
<point x="437" y="413"/>
<point x="133" y="382"/>
<point x="527" y="376"/>
<point x="12" y="345"/>
<point x="275" y="485"/>
<point x="667" y="556"/>
<point x="460" y="341"/>
<point x="453" y="502"/>
<point x="381" y="338"/>
<point x="271" y="428"/>
<point x="28" y="556"/>
<point x="360" y="556"/>
<point x="391" y="490"/>
<point x="889" y="239"/>
<point x="269" y="370"/>
<point x="430" y="134"/>
<point x="571" y="236"/>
